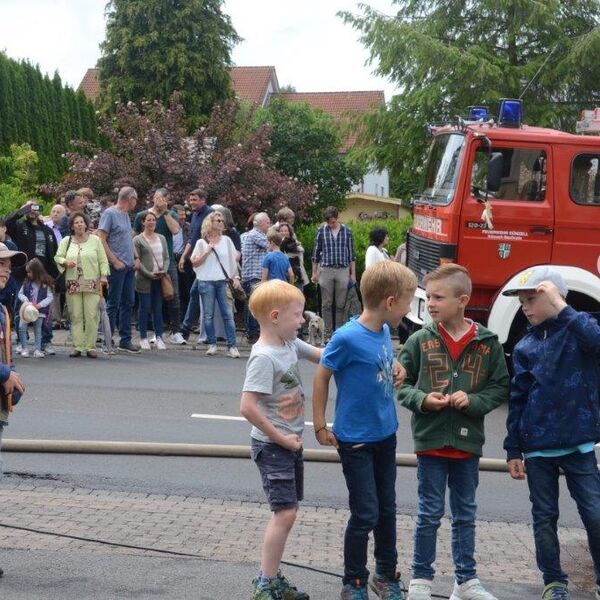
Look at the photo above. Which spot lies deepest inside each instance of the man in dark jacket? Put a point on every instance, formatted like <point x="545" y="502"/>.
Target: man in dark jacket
<point x="36" y="240"/>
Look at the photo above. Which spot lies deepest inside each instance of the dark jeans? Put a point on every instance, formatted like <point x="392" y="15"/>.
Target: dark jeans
<point x="583" y="481"/>
<point x="370" y="472"/>
<point x="192" y="314"/>
<point x="121" y="296"/>
<point x="151" y="302"/>
<point x="252" y="327"/>
<point x="461" y="476"/>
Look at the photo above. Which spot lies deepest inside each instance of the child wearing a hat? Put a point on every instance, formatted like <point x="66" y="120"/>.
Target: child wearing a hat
<point x="554" y="418"/>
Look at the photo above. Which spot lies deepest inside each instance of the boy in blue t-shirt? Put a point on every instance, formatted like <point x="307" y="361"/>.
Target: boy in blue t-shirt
<point x="360" y="356"/>
<point x="276" y="265"/>
<point x="553" y="417"/>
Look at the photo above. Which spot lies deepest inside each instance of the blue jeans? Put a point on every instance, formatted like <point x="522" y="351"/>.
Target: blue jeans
<point x="37" y="327"/>
<point x="192" y="313"/>
<point x="462" y="477"/>
<point x="252" y="327"/>
<point x="151" y="302"/>
<point x="121" y="296"/>
<point x="370" y="473"/>
<point x="583" y="481"/>
<point x="211" y="292"/>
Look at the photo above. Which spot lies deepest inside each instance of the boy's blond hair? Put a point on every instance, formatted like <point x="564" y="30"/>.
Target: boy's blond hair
<point x="458" y="278"/>
<point x="272" y="295"/>
<point x="274" y="237"/>
<point x="384" y="279"/>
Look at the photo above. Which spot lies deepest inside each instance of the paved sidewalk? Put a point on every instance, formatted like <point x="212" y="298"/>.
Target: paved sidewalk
<point x="231" y="531"/>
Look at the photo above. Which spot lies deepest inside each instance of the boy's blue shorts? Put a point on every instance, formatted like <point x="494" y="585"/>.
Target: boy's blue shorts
<point x="282" y="473"/>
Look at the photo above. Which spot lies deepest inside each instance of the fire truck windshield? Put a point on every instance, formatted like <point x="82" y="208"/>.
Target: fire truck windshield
<point x="442" y="168"/>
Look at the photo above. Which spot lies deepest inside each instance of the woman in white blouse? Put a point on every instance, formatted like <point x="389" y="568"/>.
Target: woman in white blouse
<point x="376" y="252"/>
<point x="214" y="261"/>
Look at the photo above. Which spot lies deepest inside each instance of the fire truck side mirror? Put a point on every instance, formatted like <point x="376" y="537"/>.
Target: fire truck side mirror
<point x="494" y="174"/>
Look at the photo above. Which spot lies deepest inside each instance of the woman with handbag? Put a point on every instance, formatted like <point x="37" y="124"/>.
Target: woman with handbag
<point x="215" y="264"/>
<point x="151" y="281"/>
<point x="82" y="260"/>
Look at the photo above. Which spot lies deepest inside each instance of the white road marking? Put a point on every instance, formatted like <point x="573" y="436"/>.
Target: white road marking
<point x="232" y="418"/>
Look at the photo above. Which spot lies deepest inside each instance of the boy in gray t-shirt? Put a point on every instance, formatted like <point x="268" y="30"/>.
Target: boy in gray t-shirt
<point x="273" y="402"/>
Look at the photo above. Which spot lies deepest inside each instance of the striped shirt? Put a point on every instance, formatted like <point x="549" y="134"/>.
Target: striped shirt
<point x="333" y="250"/>
<point x="254" y="249"/>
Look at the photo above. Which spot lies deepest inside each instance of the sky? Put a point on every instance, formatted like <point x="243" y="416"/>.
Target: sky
<point x="310" y="47"/>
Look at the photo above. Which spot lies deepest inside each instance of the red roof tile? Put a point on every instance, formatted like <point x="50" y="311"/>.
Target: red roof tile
<point x="90" y="84"/>
<point x="342" y="106"/>
<point x="250" y="84"/>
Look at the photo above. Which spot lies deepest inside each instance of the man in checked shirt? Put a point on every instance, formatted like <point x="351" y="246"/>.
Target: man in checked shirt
<point x="333" y="268"/>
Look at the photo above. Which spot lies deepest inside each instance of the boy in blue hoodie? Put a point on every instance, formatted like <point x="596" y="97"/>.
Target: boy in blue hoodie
<point x="554" y="418"/>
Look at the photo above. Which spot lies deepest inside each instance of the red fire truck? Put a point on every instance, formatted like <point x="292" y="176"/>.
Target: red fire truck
<point x="501" y="197"/>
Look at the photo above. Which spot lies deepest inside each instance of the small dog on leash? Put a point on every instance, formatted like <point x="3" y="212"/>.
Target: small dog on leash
<point x="316" y="328"/>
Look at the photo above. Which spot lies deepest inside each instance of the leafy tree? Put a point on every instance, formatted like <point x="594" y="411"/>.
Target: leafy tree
<point x="447" y="55"/>
<point x="305" y="145"/>
<point x="156" y="47"/>
<point x="148" y="147"/>
<point x="18" y="177"/>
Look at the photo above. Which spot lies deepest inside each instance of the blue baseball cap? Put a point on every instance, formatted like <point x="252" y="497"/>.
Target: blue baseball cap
<point x="533" y="277"/>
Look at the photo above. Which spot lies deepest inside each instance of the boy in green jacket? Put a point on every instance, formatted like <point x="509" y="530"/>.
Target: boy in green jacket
<point x="456" y="374"/>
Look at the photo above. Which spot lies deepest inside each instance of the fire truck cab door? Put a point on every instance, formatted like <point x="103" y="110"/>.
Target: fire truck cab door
<point x="522" y="214"/>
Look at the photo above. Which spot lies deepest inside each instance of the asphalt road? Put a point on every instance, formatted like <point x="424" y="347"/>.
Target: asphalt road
<point x="152" y="397"/>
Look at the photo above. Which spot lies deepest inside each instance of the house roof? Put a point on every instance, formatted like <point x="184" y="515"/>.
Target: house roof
<point x="342" y="106"/>
<point x="90" y="84"/>
<point x="250" y="84"/>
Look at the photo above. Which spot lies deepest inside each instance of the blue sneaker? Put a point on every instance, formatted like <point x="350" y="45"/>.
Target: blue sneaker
<point x="557" y="590"/>
<point x="386" y="587"/>
<point x="354" y="591"/>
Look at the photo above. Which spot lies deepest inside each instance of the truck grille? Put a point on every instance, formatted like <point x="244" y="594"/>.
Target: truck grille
<point x="423" y="254"/>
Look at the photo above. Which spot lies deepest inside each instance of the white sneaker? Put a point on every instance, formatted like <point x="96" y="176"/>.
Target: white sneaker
<point x="160" y="345"/>
<point x="25" y="353"/>
<point x="178" y="339"/>
<point x="19" y="349"/>
<point x="49" y="350"/>
<point x="38" y="354"/>
<point x="233" y="352"/>
<point x="471" y="590"/>
<point x="144" y="344"/>
<point x="419" y="589"/>
<point x="152" y="340"/>
<point x="212" y="350"/>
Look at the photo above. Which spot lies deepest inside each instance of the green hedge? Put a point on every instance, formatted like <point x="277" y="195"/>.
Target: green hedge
<point x="360" y="230"/>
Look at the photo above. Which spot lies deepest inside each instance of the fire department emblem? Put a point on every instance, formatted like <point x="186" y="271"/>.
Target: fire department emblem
<point x="503" y="251"/>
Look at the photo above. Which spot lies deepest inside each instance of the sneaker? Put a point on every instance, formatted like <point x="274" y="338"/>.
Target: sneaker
<point x="38" y="354"/>
<point x="471" y="590"/>
<point x="152" y="340"/>
<point x="160" y="345"/>
<point x="212" y="350"/>
<point x="25" y="353"/>
<point x="288" y="591"/>
<point x="19" y="349"/>
<point x="386" y="587"/>
<point x="144" y="344"/>
<point x="233" y="352"/>
<point x="177" y="339"/>
<point x="354" y="592"/>
<point x="419" y="589"/>
<point x="49" y="350"/>
<point x="270" y="592"/>
<point x="131" y="348"/>
<point x="104" y="349"/>
<point x="557" y="590"/>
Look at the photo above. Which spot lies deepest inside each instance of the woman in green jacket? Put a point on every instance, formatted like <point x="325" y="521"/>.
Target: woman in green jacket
<point x="151" y="247"/>
<point x="82" y="258"/>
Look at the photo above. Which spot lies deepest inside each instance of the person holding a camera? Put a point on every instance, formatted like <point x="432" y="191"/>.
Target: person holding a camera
<point x="31" y="236"/>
